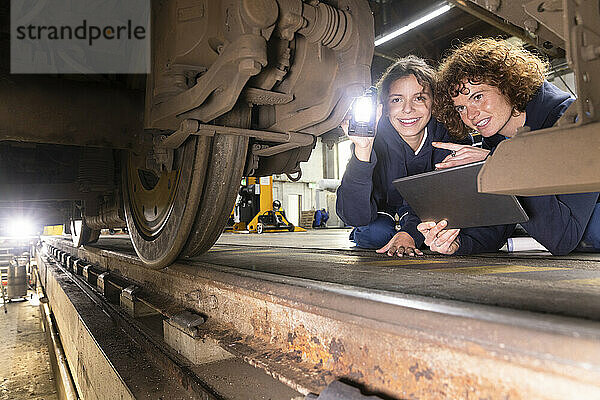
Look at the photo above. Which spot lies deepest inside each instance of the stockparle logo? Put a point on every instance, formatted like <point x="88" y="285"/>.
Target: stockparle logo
<point x="82" y="37"/>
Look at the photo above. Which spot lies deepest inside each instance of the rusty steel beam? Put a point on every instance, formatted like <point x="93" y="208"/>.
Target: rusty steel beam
<point x="69" y="112"/>
<point x="308" y="334"/>
<point x="103" y="359"/>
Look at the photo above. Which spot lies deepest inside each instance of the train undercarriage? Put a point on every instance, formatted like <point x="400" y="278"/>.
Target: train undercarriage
<point x="243" y="88"/>
<point x="238" y="89"/>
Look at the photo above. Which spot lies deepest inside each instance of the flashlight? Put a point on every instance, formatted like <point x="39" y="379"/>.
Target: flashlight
<point x="362" y="120"/>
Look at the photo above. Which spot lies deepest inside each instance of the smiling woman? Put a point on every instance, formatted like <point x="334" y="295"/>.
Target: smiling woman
<point x="408" y="108"/>
<point x="495" y="88"/>
<point x="402" y="146"/>
<point x="487" y="71"/>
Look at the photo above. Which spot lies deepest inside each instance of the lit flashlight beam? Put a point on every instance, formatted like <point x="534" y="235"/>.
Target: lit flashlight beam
<point x="434" y="14"/>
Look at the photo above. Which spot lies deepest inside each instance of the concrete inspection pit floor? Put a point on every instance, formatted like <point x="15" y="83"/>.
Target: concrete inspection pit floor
<point x="25" y="369"/>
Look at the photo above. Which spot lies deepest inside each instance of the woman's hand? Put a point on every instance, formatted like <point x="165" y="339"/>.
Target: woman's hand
<point x="402" y="243"/>
<point x="461" y="154"/>
<point x="439" y="239"/>
<point x="362" y="144"/>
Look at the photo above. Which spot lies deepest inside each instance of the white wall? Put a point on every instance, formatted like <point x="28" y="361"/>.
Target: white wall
<point x="283" y="188"/>
<point x="311" y="197"/>
<point x="312" y="170"/>
<point x="344" y="153"/>
<point x="569" y="79"/>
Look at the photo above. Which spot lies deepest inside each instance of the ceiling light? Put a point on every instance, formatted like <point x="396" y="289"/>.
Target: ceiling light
<point x="434" y="14"/>
<point x="21" y="227"/>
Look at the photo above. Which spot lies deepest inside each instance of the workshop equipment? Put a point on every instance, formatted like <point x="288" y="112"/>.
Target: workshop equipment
<point x="16" y="286"/>
<point x="256" y="212"/>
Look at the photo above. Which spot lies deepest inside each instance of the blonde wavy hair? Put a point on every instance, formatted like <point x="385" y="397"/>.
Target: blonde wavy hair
<point x="516" y="72"/>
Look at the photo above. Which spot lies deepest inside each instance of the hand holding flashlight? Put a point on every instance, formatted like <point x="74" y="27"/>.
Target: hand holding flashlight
<point x="363" y="117"/>
<point x="363" y="145"/>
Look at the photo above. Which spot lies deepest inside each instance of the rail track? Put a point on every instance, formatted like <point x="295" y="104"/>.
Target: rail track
<point x="203" y="330"/>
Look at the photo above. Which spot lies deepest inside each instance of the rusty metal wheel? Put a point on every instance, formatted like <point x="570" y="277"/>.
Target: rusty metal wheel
<point x="183" y="211"/>
<point x="81" y="234"/>
<point x="223" y="179"/>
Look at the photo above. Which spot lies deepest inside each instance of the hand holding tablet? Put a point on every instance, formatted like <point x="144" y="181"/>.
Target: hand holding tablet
<point x="451" y="194"/>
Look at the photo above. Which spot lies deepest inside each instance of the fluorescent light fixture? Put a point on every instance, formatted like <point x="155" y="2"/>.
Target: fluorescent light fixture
<point x="434" y="14"/>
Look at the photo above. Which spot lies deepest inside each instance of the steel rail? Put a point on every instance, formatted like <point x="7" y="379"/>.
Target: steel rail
<point x="308" y="333"/>
<point x="113" y="333"/>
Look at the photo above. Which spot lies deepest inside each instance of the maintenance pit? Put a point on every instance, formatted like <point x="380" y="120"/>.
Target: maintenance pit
<point x="264" y="317"/>
<point x="26" y="362"/>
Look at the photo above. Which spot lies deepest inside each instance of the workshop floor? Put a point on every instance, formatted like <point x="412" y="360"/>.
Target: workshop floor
<point x="25" y="370"/>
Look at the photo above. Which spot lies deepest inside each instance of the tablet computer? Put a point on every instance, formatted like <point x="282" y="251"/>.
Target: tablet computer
<point x="451" y="194"/>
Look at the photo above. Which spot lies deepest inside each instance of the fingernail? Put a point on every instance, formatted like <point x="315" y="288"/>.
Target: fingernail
<point x="438" y="165"/>
<point x="444" y="223"/>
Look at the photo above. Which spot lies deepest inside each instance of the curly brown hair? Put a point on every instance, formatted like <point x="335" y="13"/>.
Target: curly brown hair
<point x="516" y="72"/>
<point x="410" y="65"/>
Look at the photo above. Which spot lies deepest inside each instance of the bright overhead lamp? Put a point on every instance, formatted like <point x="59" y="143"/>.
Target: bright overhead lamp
<point x="20" y="228"/>
<point x="434" y="14"/>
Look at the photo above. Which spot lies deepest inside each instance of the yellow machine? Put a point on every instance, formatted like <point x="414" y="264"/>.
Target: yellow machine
<point x="50" y="230"/>
<point x="255" y="210"/>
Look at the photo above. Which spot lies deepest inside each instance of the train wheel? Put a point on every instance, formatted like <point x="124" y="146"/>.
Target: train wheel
<point x="160" y="209"/>
<point x="178" y="212"/>
<point x="223" y="179"/>
<point x="81" y="234"/>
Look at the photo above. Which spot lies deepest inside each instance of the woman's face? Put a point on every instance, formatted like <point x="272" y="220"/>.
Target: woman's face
<point x="485" y="109"/>
<point x="409" y="106"/>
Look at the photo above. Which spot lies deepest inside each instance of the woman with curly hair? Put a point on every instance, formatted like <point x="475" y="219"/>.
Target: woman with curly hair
<point x="366" y="198"/>
<point x="495" y="87"/>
